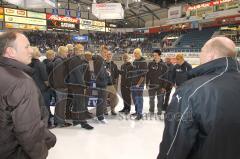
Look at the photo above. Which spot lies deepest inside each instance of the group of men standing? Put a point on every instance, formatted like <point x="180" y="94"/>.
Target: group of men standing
<point x="207" y="128"/>
<point x="158" y="76"/>
<point x="74" y="76"/>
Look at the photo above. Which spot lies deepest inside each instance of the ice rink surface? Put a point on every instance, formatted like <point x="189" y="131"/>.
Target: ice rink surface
<point x="121" y="138"/>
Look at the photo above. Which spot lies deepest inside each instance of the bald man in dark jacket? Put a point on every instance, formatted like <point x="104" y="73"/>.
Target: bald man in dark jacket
<point x="202" y="121"/>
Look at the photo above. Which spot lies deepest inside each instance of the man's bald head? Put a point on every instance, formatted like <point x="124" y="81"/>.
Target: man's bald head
<point x="217" y="47"/>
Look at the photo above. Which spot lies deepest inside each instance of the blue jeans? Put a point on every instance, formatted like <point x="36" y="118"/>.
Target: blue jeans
<point x="137" y="96"/>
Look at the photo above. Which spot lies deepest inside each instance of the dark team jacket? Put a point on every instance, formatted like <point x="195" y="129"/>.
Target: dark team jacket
<point x="99" y="72"/>
<point x="180" y="73"/>
<point x="112" y="67"/>
<point x="202" y="120"/>
<point x="39" y="74"/>
<point x="139" y="70"/>
<point x="58" y="75"/>
<point x="49" y="65"/>
<point x="77" y="67"/>
<point x="125" y="70"/>
<point x="157" y="75"/>
<point x="170" y="69"/>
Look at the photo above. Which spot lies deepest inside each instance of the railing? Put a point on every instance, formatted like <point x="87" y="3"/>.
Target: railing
<point x="188" y="50"/>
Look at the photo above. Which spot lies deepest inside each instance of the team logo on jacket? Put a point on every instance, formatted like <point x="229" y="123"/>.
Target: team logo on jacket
<point x="178" y="98"/>
<point x="179" y="70"/>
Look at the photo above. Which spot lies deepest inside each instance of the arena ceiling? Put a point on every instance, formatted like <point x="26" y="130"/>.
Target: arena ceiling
<point x="136" y="12"/>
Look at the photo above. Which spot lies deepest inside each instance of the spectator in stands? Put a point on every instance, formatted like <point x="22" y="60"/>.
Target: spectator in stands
<point x="180" y="70"/>
<point x="126" y="67"/>
<point x="156" y="82"/>
<point x="209" y="123"/>
<point x="23" y="126"/>
<point x="138" y="76"/>
<point x="170" y="84"/>
<point x="113" y="74"/>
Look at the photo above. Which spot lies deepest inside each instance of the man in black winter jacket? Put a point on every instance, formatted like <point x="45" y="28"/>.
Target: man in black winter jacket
<point x="202" y="121"/>
<point x="50" y="54"/>
<point x="97" y="71"/>
<point x="23" y="116"/>
<point x="76" y="85"/>
<point x="156" y="82"/>
<point x="170" y="84"/>
<point x="138" y="78"/>
<point x="58" y="80"/>
<point x="113" y="74"/>
<point x="180" y="70"/>
<point x="40" y="77"/>
<point x="126" y="67"/>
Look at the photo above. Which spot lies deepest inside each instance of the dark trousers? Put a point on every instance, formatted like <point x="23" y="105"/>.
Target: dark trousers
<point x="137" y="95"/>
<point x="101" y="103"/>
<point x="126" y="96"/>
<point x="79" y="107"/>
<point x="167" y="96"/>
<point x="47" y="99"/>
<point x="69" y="106"/>
<point x="160" y="97"/>
<point x="60" y="108"/>
<point x="112" y="97"/>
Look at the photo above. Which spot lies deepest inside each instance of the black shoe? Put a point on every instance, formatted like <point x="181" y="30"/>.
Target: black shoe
<point x="76" y="123"/>
<point x="151" y="113"/>
<point x="134" y="114"/>
<point x="67" y="124"/>
<point x="126" y="112"/>
<point x="106" y="113"/>
<point x="87" y="126"/>
<point x="113" y="113"/>
<point x="89" y="115"/>
<point x="50" y="126"/>
<point x="122" y="111"/>
<point x="63" y="125"/>
<point x="139" y="117"/>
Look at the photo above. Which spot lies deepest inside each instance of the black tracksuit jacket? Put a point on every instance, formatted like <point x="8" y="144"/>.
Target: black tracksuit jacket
<point x="202" y="121"/>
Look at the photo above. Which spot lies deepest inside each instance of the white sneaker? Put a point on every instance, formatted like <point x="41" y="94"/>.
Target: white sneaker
<point x="104" y="121"/>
